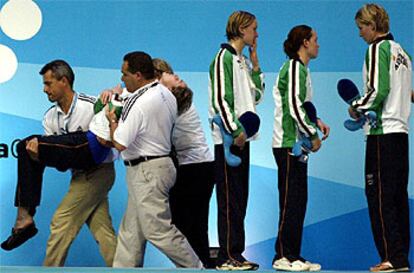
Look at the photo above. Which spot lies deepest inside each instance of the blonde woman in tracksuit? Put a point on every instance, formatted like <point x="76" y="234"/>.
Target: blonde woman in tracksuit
<point x="234" y="88"/>
<point x="387" y="75"/>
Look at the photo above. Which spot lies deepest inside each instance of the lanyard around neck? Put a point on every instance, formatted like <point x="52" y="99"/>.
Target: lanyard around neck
<point x="65" y="128"/>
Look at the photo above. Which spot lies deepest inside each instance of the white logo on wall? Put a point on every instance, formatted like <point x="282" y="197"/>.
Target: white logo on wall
<point x="19" y="20"/>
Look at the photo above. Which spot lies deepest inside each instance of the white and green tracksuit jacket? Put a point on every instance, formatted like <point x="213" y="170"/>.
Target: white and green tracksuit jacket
<point x="387" y="76"/>
<point x="292" y="88"/>
<point x="233" y="89"/>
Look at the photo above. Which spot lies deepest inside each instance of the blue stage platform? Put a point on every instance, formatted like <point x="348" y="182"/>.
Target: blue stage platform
<point x="32" y="269"/>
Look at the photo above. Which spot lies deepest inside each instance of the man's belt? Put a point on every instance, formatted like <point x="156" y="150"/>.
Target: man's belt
<point x="136" y="161"/>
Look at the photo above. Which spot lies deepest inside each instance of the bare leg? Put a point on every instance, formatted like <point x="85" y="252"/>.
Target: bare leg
<point x="23" y="218"/>
<point x="23" y="230"/>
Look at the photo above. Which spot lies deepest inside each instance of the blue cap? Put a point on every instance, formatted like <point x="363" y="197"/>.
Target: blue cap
<point x="348" y="90"/>
<point x="250" y="122"/>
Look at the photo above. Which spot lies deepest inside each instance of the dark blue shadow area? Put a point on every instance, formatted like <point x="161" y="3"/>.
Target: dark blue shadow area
<point x="341" y="243"/>
<point x="326" y="199"/>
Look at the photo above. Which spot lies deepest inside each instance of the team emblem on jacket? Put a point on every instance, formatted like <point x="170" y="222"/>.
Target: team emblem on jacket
<point x="400" y="60"/>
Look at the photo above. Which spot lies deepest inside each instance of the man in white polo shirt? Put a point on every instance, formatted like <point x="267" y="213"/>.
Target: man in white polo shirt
<point x="87" y="198"/>
<point x="143" y="135"/>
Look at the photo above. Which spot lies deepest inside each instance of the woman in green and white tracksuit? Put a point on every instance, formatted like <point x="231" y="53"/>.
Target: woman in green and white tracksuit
<point x="234" y="88"/>
<point x="293" y="88"/>
<point x="387" y="74"/>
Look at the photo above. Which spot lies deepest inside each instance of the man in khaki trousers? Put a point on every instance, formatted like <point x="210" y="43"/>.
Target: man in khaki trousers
<point x="85" y="202"/>
<point x="87" y="198"/>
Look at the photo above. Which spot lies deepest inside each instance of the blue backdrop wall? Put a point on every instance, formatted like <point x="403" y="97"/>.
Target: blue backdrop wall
<point x="93" y="36"/>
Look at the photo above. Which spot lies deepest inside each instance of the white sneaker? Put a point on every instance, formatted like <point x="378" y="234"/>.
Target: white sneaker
<point x="231" y="265"/>
<point x="284" y="264"/>
<point x="313" y="266"/>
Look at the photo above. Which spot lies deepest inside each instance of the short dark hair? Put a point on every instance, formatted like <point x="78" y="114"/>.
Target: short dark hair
<point x="59" y="69"/>
<point x="139" y="61"/>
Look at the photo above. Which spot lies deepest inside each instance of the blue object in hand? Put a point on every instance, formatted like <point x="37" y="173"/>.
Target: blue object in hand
<point x="304" y="144"/>
<point x="250" y="122"/>
<point x="348" y="91"/>
<point x="356" y="124"/>
<point x="231" y="159"/>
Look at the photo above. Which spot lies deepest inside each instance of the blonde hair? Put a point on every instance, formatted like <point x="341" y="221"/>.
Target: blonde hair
<point x="375" y="15"/>
<point x="238" y="19"/>
<point x="161" y="66"/>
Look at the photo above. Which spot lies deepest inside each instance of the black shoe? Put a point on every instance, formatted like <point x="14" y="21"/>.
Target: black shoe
<point x="19" y="236"/>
